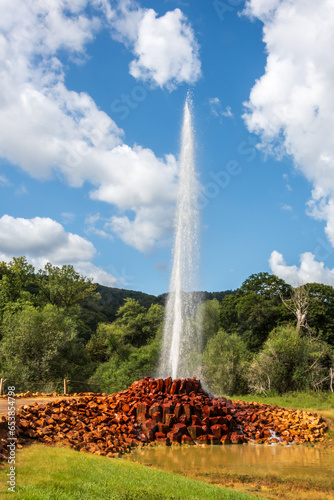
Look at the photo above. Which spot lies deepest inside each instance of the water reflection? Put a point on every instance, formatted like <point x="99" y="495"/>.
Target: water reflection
<point x="296" y="461"/>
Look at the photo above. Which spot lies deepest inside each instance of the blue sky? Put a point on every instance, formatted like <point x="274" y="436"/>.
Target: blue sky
<point x="91" y="99"/>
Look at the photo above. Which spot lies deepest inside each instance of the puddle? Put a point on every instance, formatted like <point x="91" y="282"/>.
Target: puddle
<point x="295" y="461"/>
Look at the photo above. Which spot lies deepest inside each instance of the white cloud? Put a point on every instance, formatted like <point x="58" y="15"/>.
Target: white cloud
<point x="286" y="207"/>
<point x="166" y="50"/>
<point x="291" y="107"/>
<point x="310" y="271"/>
<point x="146" y="230"/>
<point x="217" y="109"/>
<point x="44" y="240"/>
<point x="4" y="181"/>
<point x="62" y="132"/>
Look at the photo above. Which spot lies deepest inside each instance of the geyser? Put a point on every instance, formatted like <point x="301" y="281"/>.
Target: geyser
<point x="182" y="328"/>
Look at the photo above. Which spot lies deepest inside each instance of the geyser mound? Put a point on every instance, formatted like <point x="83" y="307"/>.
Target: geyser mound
<point x="159" y="411"/>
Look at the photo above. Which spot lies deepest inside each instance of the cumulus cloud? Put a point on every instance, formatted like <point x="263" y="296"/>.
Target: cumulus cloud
<point x="165" y="48"/>
<point x="44" y="240"/>
<point x="291" y="107"/>
<point x="310" y="271"/>
<point x="62" y="132"/>
<point x="146" y="230"/>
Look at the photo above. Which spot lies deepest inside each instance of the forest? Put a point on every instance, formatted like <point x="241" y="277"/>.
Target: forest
<point x="265" y="337"/>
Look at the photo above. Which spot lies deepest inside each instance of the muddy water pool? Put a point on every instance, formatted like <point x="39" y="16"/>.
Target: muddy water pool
<point x="299" y="461"/>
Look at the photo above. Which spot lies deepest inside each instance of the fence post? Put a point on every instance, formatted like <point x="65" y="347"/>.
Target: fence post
<point x="1" y="385"/>
<point x="65" y="386"/>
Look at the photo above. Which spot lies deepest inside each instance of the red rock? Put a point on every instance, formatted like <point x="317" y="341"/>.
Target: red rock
<point x="185" y="439"/>
<point x="225" y="440"/>
<point x="163" y="428"/>
<point x="155" y="408"/>
<point x="184" y="419"/>
<point x="194" y="431"/>
<point x="213" y="439"/>
<point x="187" y="410"/>
<point x="216" y="430"/>
<point x="170" y="419"/>
<point x="236" y="438"/>
<point x="175" y="386"/>
<point x="166" y="408"/>
<point x="180" y="428"/>
<point x="178" y="410"/>
<point x="174" y="436"/>
<point x="157" y="417"/>
<point x="195" y="420"/>
<point x="203" y="439"/>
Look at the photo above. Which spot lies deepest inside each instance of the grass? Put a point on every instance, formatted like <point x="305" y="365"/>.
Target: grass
<point x="55" y="473"/>
<point x="299" y="400"/>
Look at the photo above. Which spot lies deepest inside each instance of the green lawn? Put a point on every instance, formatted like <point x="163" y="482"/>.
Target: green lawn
<point x="47" y="473"/>
<point x="299" y="400"/>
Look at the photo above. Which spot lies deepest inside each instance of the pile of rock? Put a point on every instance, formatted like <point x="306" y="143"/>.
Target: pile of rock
<point x="162" y="411"/>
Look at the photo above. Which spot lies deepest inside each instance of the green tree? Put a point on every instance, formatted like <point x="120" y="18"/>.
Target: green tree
<point x="288" y="361"/>
<point x="64" y="287"/>
<point x="225" y="363"/>
<point x="321" y="311"/>
<point x="256" y="308"/>
<point x="266" y="285"/>
<point x="207" y="315"/>
<point x="40" y="346"/>
<point x="119" y="372"/>
<point x="16" y="279"/>
<point x="134" y="327"/>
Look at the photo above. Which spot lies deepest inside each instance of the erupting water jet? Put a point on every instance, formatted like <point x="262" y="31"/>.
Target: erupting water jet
<point x="182" y="329"/>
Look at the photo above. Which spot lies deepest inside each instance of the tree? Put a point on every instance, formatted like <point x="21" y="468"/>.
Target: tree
<point x="134" y="327"/>
<point x="16" y="277"/>
<point x="288" y="361"/>
<point x="117" y="375"/>
<point x="255" y="309"/>
<point x="39" y="346"/>
<point x="266" y="285"/>
<point x="225" y="363"/>
<point x="64" y="287"/>
<point x="298" y="304"/>
<point x="208" y="314"/>
<point x="321" y="311"/>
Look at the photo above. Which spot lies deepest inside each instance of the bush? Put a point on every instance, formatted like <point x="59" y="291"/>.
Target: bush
<point x="225" y="361"/>
<point x="288" y="361"/>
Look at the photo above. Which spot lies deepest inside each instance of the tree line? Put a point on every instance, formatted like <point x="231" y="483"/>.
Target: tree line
<point x="266" y="336"/>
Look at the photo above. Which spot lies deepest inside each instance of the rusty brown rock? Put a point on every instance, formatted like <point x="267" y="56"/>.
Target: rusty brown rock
<point x="158" y="410"/>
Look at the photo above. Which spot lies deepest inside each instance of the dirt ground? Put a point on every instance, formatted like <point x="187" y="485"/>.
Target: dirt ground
<point x="28" y="401"/>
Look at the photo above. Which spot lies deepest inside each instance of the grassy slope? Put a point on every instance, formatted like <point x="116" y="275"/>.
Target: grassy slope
<point x="47" y="473"/>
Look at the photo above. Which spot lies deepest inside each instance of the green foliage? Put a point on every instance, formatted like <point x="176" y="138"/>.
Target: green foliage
<point x="133" y="364"/>
<point x="16" y="277"/>
<point x="63" y="286"/>
<point x="131" y="344"/>
<point x="225" y="361"/>
<point x="321" y="311"/>
<point x="287" y="362"/>
<point x="256" y="309"/>
<point x="267" y="285"/>
<point x="39" y="345"/>
<point x="208" y="314"/>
